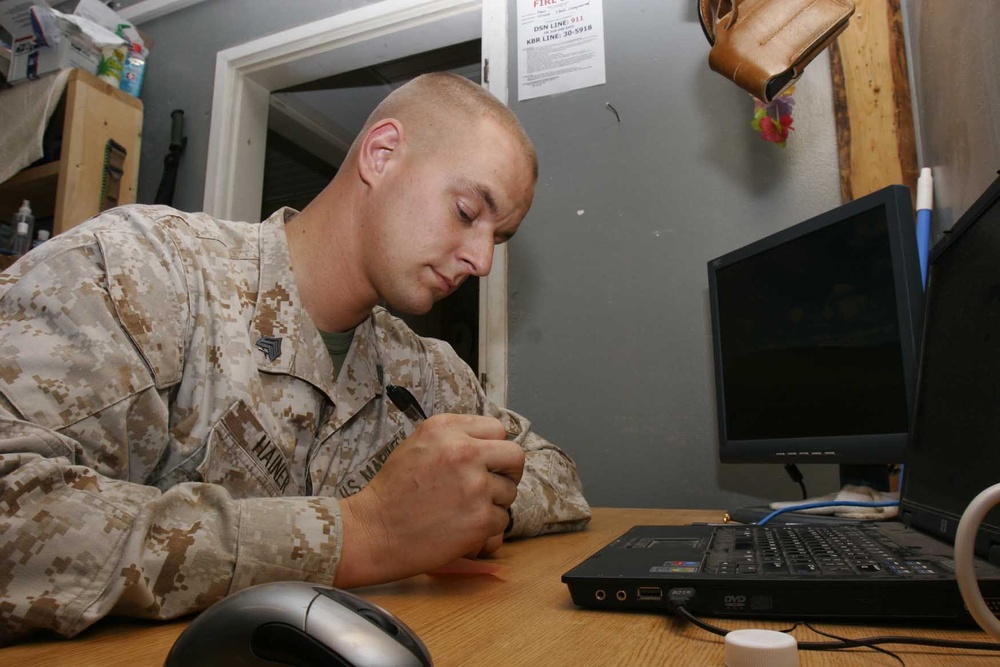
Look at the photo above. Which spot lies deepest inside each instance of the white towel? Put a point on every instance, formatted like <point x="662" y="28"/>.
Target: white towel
<point x="25" y="111"/>
<point x="864" y="494"/>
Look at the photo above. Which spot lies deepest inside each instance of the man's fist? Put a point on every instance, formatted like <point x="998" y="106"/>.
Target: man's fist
<point x="442" y="494"/>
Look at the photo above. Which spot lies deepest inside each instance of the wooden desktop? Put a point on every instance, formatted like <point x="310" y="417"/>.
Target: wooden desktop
<point x="522" y="616"/>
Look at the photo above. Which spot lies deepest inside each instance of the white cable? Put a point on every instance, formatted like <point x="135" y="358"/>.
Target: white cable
<point x="965" y="572"/>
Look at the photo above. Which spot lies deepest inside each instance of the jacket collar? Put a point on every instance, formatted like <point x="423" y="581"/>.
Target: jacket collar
<point x="280" y="319"/>
<point x="360" y="380"/>
<point x="286" y="339"/>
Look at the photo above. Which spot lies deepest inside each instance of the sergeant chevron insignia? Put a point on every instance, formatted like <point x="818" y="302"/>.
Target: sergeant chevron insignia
<point x="270" y="346"/>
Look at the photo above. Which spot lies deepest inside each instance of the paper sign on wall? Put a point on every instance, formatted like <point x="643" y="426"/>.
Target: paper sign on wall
<point x="560" y="46"/>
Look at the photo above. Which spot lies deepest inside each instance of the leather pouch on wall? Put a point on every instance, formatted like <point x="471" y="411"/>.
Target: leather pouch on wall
<point x="763" y="46"/>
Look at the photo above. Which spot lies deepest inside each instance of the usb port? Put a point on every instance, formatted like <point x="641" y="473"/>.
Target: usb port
<point x="650" y="593"/>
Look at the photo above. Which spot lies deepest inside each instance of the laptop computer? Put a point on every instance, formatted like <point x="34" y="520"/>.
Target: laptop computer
<point x="889" y="570"/>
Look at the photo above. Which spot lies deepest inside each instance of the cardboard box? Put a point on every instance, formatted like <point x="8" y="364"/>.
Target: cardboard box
<point x="28" y="60"/>
<point x="72" y="51"/>
<point x="4" y="62"/>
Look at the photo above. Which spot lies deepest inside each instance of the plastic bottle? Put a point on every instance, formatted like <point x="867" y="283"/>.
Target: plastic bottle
<point x="133" y="71"/>
<point x="22" y="241"/>
<point x="25" y="217"/>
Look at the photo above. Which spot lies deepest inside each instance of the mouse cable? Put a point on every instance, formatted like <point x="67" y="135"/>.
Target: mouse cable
<point x="879" y="649"/>
<point x="828" y="503"/>
<point x="843" y="642"/>
<point x="682" y="611"/>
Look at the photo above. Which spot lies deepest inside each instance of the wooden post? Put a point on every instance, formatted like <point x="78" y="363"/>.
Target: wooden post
<point x="875" y="132"/>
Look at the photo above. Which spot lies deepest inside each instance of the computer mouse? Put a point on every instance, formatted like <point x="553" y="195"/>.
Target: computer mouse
<point x="296" y="623"/>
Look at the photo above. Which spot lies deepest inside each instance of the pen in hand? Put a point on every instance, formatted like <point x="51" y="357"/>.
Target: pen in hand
<point x="405" y="402"/>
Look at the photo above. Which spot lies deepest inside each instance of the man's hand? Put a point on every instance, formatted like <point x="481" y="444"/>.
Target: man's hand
<point x="487" y="547"/>
<point x="442" y="494"/>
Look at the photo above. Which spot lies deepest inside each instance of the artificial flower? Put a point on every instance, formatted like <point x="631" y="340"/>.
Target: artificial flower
<point x="773" y="120"/>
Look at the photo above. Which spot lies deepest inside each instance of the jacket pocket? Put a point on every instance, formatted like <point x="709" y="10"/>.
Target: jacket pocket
<point x="148" y="298"/>
<point x="243" y="458"/>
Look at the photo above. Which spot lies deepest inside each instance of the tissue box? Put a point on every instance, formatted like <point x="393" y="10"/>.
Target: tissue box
<point x="30" y="61"/>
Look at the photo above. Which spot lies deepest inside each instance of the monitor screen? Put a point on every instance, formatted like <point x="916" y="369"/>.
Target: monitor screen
<point x="953" y="453"/>
<point x="815" y="335"/>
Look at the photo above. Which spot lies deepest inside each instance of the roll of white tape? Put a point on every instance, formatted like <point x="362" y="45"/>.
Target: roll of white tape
<point x="760" y="648"/>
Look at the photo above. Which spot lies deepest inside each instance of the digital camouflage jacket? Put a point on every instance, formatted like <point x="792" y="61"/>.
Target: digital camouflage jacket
<point x="172" y="431"/>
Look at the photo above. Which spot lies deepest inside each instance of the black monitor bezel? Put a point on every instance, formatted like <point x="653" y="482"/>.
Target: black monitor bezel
<point x="942" y="522"/>
<point x="883" y="448"/>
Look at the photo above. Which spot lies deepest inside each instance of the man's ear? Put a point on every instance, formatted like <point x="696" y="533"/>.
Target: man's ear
<point x="378" y="147"/>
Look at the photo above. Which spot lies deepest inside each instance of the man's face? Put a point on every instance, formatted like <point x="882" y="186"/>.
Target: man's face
<point x="439" y="212"/>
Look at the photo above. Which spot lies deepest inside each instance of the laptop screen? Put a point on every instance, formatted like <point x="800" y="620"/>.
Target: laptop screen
<point x="954" y="452"/>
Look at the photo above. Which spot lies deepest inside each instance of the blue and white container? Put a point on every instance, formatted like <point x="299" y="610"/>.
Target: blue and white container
<point x="133" y="71"/>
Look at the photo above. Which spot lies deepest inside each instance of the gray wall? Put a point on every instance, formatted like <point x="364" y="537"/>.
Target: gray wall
<point x="954" y="51"/>
<point x="609" y="330"/>
<point x="609" y="327"/>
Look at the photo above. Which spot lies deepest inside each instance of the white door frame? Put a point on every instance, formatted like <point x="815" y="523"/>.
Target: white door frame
<point x="246" y="74"/>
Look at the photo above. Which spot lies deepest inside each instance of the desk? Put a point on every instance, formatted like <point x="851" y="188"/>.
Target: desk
<point x="522" y="617"/>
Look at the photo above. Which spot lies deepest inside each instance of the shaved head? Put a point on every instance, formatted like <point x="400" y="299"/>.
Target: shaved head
<point x="433" y="105"/>
<point x="441" y="173"/>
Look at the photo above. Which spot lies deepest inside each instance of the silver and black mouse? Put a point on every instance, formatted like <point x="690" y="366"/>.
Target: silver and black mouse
<point x="295" y="623"/>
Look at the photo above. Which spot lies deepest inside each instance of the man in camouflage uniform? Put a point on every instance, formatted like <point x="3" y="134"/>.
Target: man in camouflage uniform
<point x="174" y="429"/>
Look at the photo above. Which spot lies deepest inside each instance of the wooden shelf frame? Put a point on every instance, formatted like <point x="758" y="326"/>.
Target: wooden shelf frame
<point x="69" y="189"/>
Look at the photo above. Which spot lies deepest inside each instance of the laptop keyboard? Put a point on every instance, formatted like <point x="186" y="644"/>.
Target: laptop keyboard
<point x="810" y="550"/>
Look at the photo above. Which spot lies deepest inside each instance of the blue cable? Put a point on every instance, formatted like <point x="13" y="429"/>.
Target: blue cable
<point x="831" y="503"/>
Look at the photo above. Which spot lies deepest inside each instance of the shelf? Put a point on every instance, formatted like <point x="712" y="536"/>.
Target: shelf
<point x="95" y="113"/>
<point x="37" y="184"/>
<point x="69" y="190"/>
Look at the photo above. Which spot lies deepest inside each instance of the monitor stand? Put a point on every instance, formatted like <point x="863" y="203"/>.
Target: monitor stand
<point x="874" y="476"/>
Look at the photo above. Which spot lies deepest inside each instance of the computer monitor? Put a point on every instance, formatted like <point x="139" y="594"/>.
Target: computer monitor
<point x="815" y="333"/>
